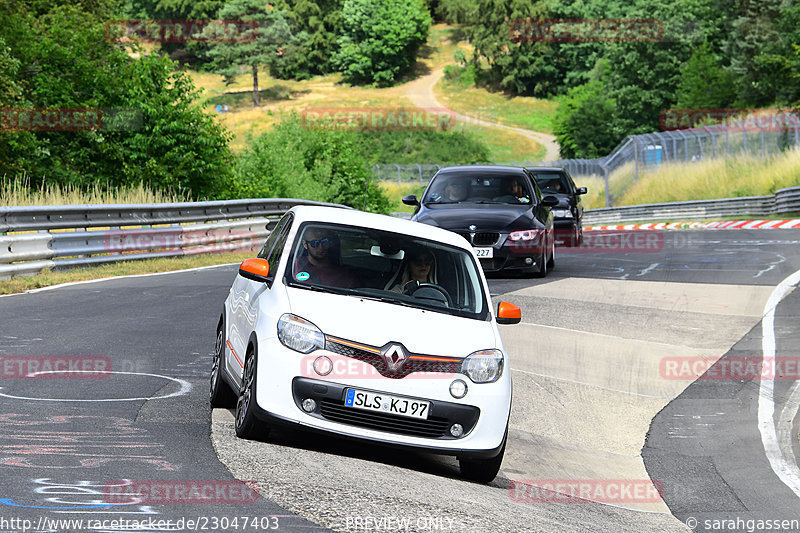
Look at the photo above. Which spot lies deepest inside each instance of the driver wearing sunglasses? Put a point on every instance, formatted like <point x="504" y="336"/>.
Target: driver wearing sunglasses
<point x="419" y="267"/>
<point x="317" y="263"/>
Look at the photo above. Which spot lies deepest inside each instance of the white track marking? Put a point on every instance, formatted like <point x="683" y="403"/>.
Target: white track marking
<point x="788" y="472"/>
<point x="71" y="283"/>
<point x="186" y="387"/>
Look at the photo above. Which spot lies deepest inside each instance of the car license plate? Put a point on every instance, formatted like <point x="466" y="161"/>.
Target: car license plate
<point x="484" y="253"/>
<point x="370" y="401"/>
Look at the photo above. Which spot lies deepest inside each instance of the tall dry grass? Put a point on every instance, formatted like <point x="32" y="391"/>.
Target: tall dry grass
<point x="18" y="191"/>
<point x="713" y="179"/>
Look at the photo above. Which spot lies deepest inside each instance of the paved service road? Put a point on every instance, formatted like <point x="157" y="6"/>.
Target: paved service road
<point x="590" y="366"/>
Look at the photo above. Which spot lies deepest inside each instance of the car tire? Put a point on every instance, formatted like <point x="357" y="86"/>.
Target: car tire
<point x="220" y="393"/>
<point x="542" y="273"/>
<point x="482" y="470"/>
<point x="551" y="263"/>
<point x="246" y="424"/>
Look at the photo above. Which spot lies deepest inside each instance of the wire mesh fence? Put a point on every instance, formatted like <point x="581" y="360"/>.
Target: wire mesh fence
<point x="763" y="136"/>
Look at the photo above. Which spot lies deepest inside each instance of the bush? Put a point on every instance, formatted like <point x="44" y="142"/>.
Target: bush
<point x="294" y="162"/>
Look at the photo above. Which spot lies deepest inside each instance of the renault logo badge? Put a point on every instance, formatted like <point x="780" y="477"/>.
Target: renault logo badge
<point x="394" y="357"/>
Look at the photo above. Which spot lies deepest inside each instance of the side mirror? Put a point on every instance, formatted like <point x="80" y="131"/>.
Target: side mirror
<point x="580" y="190"/>
<point x="508" y="313"/>
<point x="255" y="269"/>
<point x="410" y="199"/>
<point x="550" y="201"/>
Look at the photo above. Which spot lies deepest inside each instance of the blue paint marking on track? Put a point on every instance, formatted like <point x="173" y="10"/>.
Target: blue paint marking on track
<point x="10" y="503"/>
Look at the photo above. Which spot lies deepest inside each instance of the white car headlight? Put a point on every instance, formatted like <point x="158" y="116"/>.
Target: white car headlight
<point x="299" y="334"/>
<point x="525" y="235"/>
<point x="562" y="213"/>
<point x="484" y="366"/>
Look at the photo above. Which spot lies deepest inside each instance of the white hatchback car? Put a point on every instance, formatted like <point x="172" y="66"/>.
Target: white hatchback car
<point x="368" y="327"/>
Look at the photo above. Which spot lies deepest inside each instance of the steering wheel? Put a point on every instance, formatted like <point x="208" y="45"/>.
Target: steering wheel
<point x="413" y="287"/>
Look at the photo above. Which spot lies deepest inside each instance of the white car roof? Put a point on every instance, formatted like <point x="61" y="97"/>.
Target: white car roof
<point x="352" y="217"/>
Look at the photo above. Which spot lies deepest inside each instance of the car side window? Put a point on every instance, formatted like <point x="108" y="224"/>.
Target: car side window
<point x="273" y="248"/>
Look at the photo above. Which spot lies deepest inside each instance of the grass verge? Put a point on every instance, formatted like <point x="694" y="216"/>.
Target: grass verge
<point x="17" y="192"/>
<point x="395" y="191"/>
<point x="123" y="268"/>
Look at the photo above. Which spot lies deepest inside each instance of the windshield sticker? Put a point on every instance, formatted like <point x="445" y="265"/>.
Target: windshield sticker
<point x="302" y="276"/>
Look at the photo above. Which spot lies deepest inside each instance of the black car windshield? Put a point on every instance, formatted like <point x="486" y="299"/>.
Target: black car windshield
<point x="391" y="267"/>
<point x="488" y="187"/>
<point x="552" y="182"/>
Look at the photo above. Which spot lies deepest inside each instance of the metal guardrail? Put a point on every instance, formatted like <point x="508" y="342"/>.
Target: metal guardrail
<point x="650" y="150"/>
<point x="124" y="232"/>
<point x="783" y="201"/>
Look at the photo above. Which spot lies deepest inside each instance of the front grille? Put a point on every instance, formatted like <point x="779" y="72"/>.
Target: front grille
<point x="485" y="239"/>
<point x="466" y="235"/>
<point x="374" y="359"/>
<point x="431" y="428"/>
<point x="330" y="399"/>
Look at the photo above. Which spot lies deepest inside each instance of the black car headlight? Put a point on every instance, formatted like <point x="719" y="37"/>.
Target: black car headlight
<point x="562" y="213"/>
<point x="299" y="334"/>
<point x="484" y="366"/>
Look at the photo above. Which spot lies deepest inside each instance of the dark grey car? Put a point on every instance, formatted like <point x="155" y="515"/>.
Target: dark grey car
<point x="568" y="214"/>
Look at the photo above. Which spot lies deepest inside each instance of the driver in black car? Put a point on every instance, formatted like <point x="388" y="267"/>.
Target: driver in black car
<point x="419" y="267"/>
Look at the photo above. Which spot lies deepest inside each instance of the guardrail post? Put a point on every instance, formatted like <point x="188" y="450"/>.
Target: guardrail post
<point x="636" y="159"/>
<point x="608" y="192"/>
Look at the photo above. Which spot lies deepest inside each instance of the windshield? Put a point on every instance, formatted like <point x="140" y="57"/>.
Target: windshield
<point x="489" y="187"/>
<point x="391" y="267"/>
<point x="551" y="182"/>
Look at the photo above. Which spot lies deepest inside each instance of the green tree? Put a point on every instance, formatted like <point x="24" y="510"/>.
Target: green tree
<point x="291" y="161"/>
<point x="704" y="83"/>
<point x="584" y="122"/>
<point x="317" y="24"/>
<point x="761" y="52"/>
<point x="65" y="61"/>
<point x="380" y="39"/>
<point x="258" y="46"/>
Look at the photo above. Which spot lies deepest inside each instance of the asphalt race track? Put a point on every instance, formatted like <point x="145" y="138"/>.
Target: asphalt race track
<point x="629" y="414"/>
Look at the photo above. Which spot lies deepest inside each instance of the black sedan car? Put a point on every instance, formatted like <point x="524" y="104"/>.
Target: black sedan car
<point x="499" y="210"/>
<point x="569" y="211"/>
